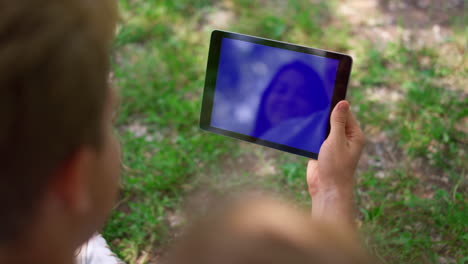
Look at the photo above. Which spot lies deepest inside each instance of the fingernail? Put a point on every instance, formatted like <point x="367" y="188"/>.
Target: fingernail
<point x="343" y="107"/>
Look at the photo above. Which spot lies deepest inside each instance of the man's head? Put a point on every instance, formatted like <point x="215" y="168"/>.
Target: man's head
<point x="59" y="162"/>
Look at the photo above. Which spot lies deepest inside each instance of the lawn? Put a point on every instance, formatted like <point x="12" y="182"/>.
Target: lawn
<point x="408" y="89"/>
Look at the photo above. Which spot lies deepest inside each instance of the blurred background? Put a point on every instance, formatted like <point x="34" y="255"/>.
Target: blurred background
<point x="409" y="89"/>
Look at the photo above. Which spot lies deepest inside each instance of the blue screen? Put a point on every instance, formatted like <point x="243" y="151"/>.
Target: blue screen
<point x="273" y="94"/>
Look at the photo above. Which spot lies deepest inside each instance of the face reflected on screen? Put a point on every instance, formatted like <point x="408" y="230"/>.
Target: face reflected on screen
<point x="287" y="98"/>
<point x="290" y="95"/>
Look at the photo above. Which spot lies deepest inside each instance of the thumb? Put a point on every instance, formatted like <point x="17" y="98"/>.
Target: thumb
<point x="338" y="120"/>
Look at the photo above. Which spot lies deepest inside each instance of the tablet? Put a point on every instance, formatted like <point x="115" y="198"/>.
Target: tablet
<point x="272" y="93"/>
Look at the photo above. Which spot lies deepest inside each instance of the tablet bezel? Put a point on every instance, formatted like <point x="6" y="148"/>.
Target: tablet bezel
<point x="339" y="92"/>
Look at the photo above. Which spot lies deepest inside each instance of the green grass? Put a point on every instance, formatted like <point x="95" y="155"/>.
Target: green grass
<point x="408" y="216"/>
<point x="412" y="216"/>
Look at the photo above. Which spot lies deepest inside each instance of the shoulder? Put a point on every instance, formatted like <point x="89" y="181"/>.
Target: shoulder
<point x="96" y="251"/>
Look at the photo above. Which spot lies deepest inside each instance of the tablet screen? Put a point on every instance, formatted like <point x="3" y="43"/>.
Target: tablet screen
<point x="273" y="94"/>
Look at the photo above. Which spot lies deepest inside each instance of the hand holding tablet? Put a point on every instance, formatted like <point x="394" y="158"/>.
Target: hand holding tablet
<point x="272" y="93"/>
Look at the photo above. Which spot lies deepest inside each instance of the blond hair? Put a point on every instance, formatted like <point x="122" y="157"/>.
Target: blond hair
<point x="265" y="231"/>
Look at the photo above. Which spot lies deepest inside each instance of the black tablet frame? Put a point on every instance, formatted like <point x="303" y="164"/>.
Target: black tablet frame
<point x="339" y="92"/>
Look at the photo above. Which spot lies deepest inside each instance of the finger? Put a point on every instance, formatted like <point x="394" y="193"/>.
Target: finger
<point x="311" y="165"/>
<point x="338" y="120"/>
<point x="354" y="133"/>
<point x="311" y="168"/>
<point x="352" y="125"/>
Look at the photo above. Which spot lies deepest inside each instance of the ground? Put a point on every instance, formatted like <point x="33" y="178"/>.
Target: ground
<point x="408" y="89"/>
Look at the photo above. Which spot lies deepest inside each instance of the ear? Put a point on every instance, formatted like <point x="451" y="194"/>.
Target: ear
<point x="71" y="181"/>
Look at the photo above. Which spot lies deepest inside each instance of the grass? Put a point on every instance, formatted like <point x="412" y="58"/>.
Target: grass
<point x="415" y="213"/>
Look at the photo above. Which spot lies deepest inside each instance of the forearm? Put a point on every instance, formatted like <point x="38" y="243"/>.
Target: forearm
<point x="335" y="206"/>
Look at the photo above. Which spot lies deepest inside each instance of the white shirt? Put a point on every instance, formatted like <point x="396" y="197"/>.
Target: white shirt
<point x="96" y="251"/>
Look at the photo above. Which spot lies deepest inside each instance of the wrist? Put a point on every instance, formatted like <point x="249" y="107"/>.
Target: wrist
<point x="333" y="194"/>
<point x="342" y="191"/>
<point x="336" y="205"/>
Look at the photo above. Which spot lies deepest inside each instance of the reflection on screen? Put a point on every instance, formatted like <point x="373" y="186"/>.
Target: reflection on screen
<point x="273" y="94"/>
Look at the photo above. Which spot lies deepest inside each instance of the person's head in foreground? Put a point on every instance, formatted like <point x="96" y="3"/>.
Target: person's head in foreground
<point x="59" y="160"/>
<point x="265" y="231"/>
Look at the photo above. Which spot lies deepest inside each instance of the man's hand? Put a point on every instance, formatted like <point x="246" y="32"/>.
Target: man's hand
<point x="330" y="178"/>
